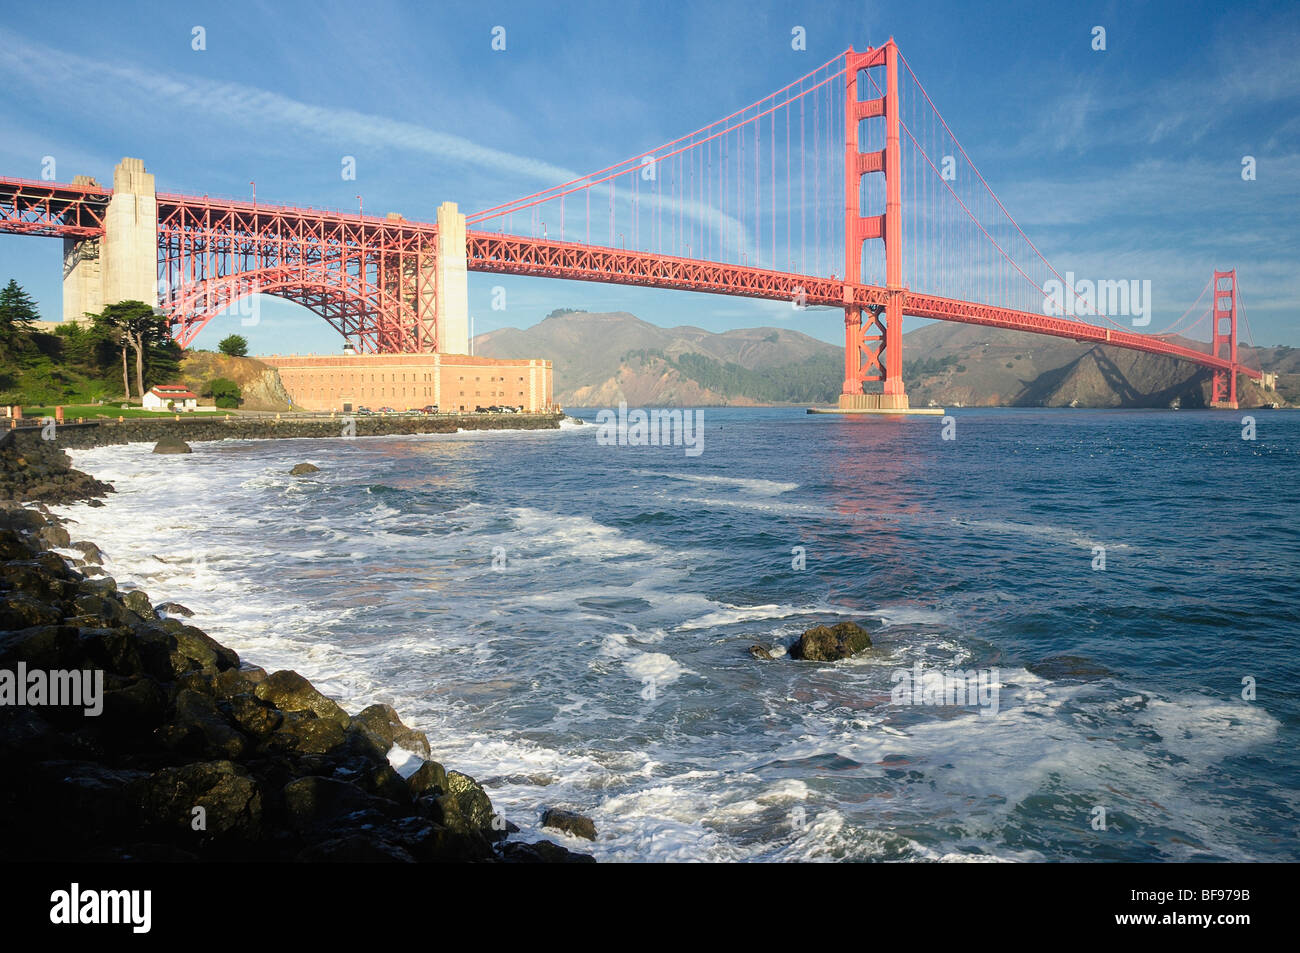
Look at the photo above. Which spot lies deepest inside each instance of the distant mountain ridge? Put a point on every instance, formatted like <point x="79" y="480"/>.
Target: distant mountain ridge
<point x="602" y="358"/>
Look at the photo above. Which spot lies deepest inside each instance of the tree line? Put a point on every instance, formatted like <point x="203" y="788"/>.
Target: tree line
<point x="116" y="354"/>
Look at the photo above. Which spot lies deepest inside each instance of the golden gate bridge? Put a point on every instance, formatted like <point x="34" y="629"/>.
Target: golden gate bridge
<point x="845" y="189"/>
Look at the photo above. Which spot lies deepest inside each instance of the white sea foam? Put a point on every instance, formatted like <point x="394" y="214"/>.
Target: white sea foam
<point x="748" y="484"/>
<point x="526" y="679"/>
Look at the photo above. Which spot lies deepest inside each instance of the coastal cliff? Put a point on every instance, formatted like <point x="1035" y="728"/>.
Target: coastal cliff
<point x="174" y="748"/>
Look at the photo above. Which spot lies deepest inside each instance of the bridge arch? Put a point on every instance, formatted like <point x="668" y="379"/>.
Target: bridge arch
<point x="373" y="318"/>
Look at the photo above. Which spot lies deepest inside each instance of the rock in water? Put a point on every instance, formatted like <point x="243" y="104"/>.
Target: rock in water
<point x="570" y="822"/>
<point x="171" y="445"/>
<point x="302" y="469"/>
<point x="760" y="652"/>
<point x="543" y="852"/>
<point x="822" y="644"/>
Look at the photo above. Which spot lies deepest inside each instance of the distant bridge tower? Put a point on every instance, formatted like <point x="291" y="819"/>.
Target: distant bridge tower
<point x="1223" y="392"/>
<point x="873" y="353"/>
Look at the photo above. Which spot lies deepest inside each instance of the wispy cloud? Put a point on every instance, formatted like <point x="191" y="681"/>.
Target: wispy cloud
<point x="44" y="72"/>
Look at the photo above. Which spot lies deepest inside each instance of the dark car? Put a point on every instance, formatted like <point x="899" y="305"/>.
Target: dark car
<point x="364" y="411"/>
<point x="429" y="409"/>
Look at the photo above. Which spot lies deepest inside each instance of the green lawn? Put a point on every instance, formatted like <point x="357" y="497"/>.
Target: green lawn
<point x="91" y="411"/>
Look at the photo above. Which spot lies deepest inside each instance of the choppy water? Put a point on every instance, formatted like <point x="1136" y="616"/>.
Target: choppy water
<point x="604" y="668"/>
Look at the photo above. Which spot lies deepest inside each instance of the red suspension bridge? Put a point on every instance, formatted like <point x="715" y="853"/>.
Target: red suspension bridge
<point x="844" y="189"/>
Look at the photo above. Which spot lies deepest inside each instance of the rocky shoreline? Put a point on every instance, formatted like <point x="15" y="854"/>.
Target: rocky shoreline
<point x="193" y="754"/>
<point x="106" y="432"/>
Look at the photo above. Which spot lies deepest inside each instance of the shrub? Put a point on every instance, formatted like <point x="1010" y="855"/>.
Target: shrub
<point x="225" y="392"/>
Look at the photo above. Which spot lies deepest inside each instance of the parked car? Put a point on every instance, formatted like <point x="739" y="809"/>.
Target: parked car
<point x="429" y="409"/>
<point x="387" y="410"/>
<point x="364" y="411"/>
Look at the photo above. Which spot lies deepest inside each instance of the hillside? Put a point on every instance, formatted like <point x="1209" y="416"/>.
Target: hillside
<point x="603" y="358"/>
<point x="599" y="356"/>
<point x="968" y="365"/>
<point x="259" y="384"/>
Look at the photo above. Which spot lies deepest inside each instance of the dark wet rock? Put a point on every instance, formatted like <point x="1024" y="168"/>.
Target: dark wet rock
<point x="383" y="722"/>
<point x="42" y="646"/>
<point x="429" y="778"/>
<point x="356" y="849"/>
<point x="760" y="652"/>
<point x="102" y="586"/>
<point x="137" y="600"/>
<point x="41" y="472"/>
<point x="171" y="649"/>
<point x="387" y="783"/>
<point x="314" y="802"/>
<point x="290" y="692"/>
<point x="464" y="809"/>
<point x="199" y="727"/>
<point x="89" y="551"/>
<point x="138" y="707"/>
<point x="98" y="610"/>
<point x="1070" y="667"/>
<point x="579" y="825"/>
<point x="254" y="716"/>
<point x="21" y="611"/>
<point x="542" y="852"/>
<point x="229" y="796"/>
<point x="95" y="795"/>
<point x="114" y="648"/>
<point x="304" y="732"/>
<point x="829" y="644"/>
<point x="231" y="682"/>
<point x="279" y="770"/>
<point x="171" y="445"/>
<point x="301" y="469"/>
<point x="174" y="608"/>
<point x="55" y="537"/>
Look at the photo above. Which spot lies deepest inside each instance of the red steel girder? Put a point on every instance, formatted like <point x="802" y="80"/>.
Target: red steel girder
<point x="967" y="312"/>
<point x="369" y="277"/>
<point x="512" y="255"/>
<point x="53" y="209"/>
<point x="366" y="275"/>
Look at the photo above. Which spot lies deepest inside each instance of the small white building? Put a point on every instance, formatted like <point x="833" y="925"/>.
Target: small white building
<point x="171" y="397"/>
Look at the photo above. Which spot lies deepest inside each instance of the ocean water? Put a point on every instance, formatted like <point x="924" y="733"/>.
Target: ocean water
<point x="569" y="622"/>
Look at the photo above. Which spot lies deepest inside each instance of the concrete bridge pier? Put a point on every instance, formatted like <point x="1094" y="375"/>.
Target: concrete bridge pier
<point x="123" y="265"/>
<point x="452" y="281"/>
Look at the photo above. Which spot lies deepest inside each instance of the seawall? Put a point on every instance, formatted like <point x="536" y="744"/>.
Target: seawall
<point x="75" y="436"/>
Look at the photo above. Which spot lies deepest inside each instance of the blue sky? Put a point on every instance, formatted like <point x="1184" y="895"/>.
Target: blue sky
<point x="1122" y="163"/>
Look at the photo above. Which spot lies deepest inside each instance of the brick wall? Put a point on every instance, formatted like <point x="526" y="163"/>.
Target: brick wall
<point x="344" y="382"/>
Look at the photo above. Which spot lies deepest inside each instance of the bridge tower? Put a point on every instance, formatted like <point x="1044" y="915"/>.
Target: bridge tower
<point x="873" y="353"/>
<point x="1223" y="341"/>
<point x="451" y="282"/>
<point x="123" y="265"/>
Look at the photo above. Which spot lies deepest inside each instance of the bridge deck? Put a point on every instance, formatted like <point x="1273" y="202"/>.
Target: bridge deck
<point x="68" y="210"/>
